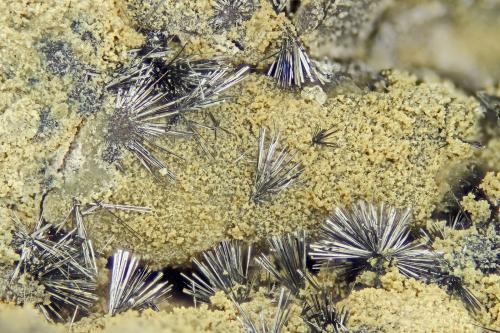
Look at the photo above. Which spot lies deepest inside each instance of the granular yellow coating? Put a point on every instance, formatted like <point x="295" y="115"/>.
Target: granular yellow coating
<point x="406" y="305"/>
<point x="178" y="320"/>
<point x="490" y="156"/>
<point x="491" y="185"/>
<point x="486" y="288"/>
<point x="15" y="319"/>
<point x="7" y="253"/>
<point x="479" y="210"/>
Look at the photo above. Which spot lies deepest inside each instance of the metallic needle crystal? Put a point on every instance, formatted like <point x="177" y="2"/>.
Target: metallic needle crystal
<point x="292" y="66"/>
<point x="153" y="101"/>
<point x="322" y="315"/>
<point x="275" y="169"/>
<point x="63" y="262"/>
<point x="368" y="237"/>
<point x="288" y="260"/>
<point x="224" y="268"/>
<point x="133" y="286"/>
<point x="322" y="137"/>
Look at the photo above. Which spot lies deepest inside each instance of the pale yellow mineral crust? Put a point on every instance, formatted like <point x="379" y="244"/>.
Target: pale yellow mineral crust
<point x="491" y="185"/>
<point x="402" y="303"/>
<point x="479" y="210"/>
<point x="179" y="320"/>
<point x="7" y="253"/>
<point x="16" y="319"/>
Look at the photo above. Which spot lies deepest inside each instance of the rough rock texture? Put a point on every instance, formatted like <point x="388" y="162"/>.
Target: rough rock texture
<point x="448" y="37"/>
<point x="404" y="139"/>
